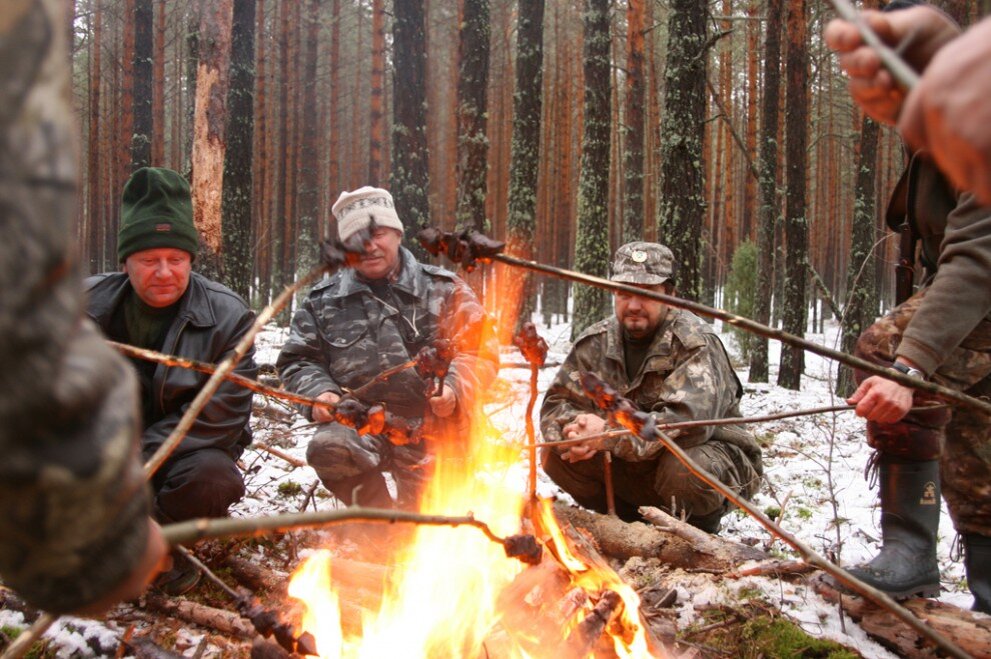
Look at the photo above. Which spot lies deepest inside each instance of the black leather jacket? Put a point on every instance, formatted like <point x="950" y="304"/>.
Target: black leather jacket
<point x="210" y="322"/>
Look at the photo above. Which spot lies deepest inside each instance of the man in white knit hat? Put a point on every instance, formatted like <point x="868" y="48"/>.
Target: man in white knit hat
<point x="361" y="322"/>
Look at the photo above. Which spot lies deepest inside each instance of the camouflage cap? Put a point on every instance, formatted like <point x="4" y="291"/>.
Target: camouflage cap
<point x="643" y="263"/>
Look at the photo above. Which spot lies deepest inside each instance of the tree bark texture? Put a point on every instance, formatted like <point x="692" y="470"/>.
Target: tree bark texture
<point x="796" y="223"/>
<point x="473" y="144"/>
<point x="861" y="293"/>
<point x="592" y="251"/>
<point x="238" y="170"/>
<point x="410" y="172"/>
<point x="682" y="196"/>
<point x="633" y="129"/>
<point x="376" y="133"/>
<point x="144" y="20"/>
<point x="768" y="167"/>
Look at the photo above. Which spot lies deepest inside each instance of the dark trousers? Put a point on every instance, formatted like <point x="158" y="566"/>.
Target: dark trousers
<point x="201" y="483"/>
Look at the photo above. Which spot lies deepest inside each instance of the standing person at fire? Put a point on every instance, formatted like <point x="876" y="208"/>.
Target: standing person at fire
<point x="362" y="321"/>
<point x="157" y="302"/>
<point x="942" y="333"/>
<point x="669" y="363"/>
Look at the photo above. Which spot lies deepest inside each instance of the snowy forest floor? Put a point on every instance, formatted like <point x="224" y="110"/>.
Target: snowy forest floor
<point x="814" y="487"/>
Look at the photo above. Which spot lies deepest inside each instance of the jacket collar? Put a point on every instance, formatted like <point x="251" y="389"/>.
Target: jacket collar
<point x="661" y="345"/>
<point x="408" y="281"/>
<point x="194" y="306"/>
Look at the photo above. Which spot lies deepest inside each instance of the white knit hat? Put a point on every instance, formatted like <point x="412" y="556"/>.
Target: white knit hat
<point x="355" y="210"/>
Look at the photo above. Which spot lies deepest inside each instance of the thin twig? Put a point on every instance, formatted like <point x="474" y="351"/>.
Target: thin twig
<point x="898" y="68"/>
<point x="295" y="462"/>
<point x="754" y="327"/>
<point x="23" y="643"/>
<point x="225" y="367"/>
<point x="226" y="527"/>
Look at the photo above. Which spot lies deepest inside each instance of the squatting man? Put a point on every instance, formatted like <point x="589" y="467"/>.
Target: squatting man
<point x="669" y="363"/>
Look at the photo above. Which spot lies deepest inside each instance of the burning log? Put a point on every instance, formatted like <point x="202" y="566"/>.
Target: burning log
<point x="225" y="622"/>
<point x="590" y="630"/>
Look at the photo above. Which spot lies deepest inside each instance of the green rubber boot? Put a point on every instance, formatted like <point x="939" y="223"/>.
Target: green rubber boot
<point x="906" y="565"/>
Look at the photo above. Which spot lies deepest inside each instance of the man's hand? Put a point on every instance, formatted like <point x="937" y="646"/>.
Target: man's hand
<point x="948" y="114"/>
<point x="584" y="425"/>
<point x="323" y="414"/>
<point x="882" y="400"/>
<point x="151" y="563"/>
<point x="443" y="404"/>
<point x="916" y="33"/>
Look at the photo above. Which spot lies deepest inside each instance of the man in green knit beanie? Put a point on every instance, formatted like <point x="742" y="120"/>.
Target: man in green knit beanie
<point x="158" y="302"/>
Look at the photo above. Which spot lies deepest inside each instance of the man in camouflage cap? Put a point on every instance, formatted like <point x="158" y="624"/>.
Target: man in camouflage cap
<point x="363" y="321"/>
<point x="671" y="364"/>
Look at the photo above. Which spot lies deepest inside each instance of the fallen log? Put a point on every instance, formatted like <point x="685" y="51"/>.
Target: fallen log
<point x="970" y="631"/>
<point x="623" y="540"/>
<point x="225" y="622"/>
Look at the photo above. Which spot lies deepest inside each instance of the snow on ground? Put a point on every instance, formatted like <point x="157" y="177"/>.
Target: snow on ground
<point x="814" y="471"/>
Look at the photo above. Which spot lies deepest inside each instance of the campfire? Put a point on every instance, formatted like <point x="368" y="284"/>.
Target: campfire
<point x="453" y="592"/>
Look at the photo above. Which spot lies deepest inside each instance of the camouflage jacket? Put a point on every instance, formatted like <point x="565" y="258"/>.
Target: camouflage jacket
<point x="345" y="334"/>
<point x="955" y="236"/>
<point x="208" y="326"/>
<point x="73" y="502"/>
<point x="685" y="376"/>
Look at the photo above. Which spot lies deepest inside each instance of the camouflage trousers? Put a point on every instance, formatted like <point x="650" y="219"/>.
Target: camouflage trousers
<point x="960" y="438"/>
<point x="351" y="466"/>
<point x="664" y="483"/>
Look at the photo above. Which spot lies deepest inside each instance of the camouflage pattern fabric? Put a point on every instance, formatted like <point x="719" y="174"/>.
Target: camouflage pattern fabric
<point x="346" y="333"/>
<point x="960" y="438"/>
<point x="685" y="376"/>
<point x="73" y="504"/>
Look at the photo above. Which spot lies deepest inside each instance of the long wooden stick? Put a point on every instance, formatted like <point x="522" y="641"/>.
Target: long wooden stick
<point x="753" y="327"/>
<point x="224" y="368"/>
<point x="27" y="638"/>
<point x="228" y="527"/>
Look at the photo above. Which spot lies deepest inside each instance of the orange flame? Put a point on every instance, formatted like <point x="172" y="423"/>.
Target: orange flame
<point x="446" y="596"/>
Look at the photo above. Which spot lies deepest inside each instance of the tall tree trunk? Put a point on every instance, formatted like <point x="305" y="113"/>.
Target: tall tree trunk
<point x="94" y="188"/>
<point x="333" y="112"/>
<point x="308" y="201"/>
<point x="376" y="132"/>
<point x="768" y="187"/>
<point x="410" y="171"/>
<point x="524" y="154"/>
<point x="592" y="241"/>
<point x="682" y="196"/>
<point x="633" y="209"/>
<point x="158" y="89"/>
<point x="794" y="313"/>
<point x="473" y="144"/>
<point x="127" y="98"/>
<point x="861" y="296"/>
<point x="212" y="76"/>
<point x="238" y="174"/>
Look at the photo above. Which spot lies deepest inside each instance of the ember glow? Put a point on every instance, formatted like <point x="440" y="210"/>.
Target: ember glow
<point x="452" y="592"/>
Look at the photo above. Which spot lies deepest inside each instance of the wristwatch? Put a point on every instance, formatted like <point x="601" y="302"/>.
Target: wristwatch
<point x="910" y="371"/>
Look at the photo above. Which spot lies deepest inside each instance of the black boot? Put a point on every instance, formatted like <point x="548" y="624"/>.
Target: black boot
<point x="977" y="560"/>
<point x="907" y="564"/>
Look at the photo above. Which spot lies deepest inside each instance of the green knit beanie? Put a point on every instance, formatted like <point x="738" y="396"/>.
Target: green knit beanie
<point x="156" y="211"/>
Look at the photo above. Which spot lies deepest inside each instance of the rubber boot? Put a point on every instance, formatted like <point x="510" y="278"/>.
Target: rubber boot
<point x="906" y="565"/>
<point x="977" y="560"/>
